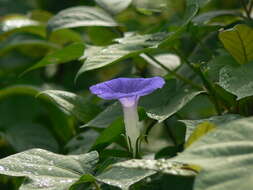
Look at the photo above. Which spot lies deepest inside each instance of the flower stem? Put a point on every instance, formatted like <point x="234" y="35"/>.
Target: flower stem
<point x="206" y="82"/>
<point x="131" y="120"/>
<point x="180" y="77"/>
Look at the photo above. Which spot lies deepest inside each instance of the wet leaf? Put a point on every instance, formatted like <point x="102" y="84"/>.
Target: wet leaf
<point x="46" y="170"/>
<point x="237" y="80"/>
<point x="225" y="156"/>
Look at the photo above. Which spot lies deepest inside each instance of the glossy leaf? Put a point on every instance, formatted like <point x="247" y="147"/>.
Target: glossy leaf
<point x="164" y="166"/>
<point x="80" y="16"/>
<point x="72" y="104"/>
<point x="123" y="177"/>
<point x="224" y="155"/>
<point x="126" y="47"/>
<point x="46" y="170"/>
<point x="114" y="6"/>
<point x="238" y="41"/>
<point x="69" y="53"/>
<point x="237" y="80"/>
<point x="165" y="102"/>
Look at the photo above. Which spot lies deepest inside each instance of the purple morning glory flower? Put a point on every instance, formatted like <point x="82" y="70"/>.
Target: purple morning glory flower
<point x="128" y="91"/>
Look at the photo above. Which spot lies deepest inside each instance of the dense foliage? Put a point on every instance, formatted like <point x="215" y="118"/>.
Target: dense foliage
<point x="197" y="129"/>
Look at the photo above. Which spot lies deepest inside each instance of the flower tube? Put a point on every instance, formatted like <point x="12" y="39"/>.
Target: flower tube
<point x="128" y="91"/>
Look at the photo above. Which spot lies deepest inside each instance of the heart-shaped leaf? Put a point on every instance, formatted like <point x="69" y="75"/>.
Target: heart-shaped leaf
<point x="46" y="170"/>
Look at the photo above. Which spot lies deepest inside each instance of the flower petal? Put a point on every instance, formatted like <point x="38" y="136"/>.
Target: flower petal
<point x="127" y="87"/>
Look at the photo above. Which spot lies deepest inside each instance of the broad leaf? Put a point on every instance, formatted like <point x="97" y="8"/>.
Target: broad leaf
<point x="46" y="170"/>
<point x="24" y="136"/>
<point x="69" y="53"/>
<point x="123" y="177"/>
<point x="82" y="143"/>
<point x="225" y="156"/>
<point x="72" y="104"/>
<point x="114" y="6"/>
<point x="167" y="101"/>
<point x="237" y="80"/>
<point x="215" y="120"/>
<point x="80" y="16"/>
<point x="109" y="135"/>
<point x="28" y="107"/>
<point x="124" y="174"/>
<point x="126" y="47"/>
<point x="238" y="41"/>
<point x="25" y="40"/>
<point x="200" y="130"/>
<point x="106" y="117"/>
<point x="164" y="166"/>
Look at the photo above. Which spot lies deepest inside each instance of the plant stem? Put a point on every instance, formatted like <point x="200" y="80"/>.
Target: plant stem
<point x="248" y="11"/>
<point x="205" y="81"/>
<point x="96" y="185"/>
<point x="180" y="77"/>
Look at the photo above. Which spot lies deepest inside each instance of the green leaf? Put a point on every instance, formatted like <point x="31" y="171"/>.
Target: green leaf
<point x="124" y="174"/>
<point x="238" y="41"/>
<point x="24" y="136"/>
<point x="200" y="130"/>
<point x="165" y="102"/>
<point x="46" y="170"/>
<point x="147" y="7"/>
<point x="69" y="53"/>
<point x="106" y="117"/>
<point x="114" y="6"/>
<point x="25" y="40"/>
<point x="72" y="104"/>
<point x="123" y="177"/>
<point x="109" y="135"/>
<point x="126" y="47"/>
<point x="215" y="120"/>
<point x="164" y="166"/>
<point x="20" y="23"/>
<point x="225" y="156"/>
<point x="237" y="80"/>
<point x="80" y="16"/>
<point x="29" y="107"/>
<point x="82" y="143"/>
<point x="204" y="18"/>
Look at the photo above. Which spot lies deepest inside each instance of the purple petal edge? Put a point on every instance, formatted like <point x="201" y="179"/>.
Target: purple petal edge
<point x="126" y="87"/>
